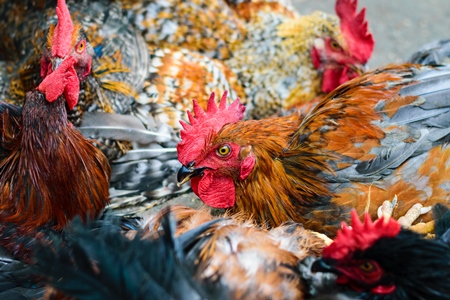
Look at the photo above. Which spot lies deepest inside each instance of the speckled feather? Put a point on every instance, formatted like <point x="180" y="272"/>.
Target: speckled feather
<point x="206" y="26"/>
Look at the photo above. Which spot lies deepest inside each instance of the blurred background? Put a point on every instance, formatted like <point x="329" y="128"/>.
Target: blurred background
<point x="399" y="26"/>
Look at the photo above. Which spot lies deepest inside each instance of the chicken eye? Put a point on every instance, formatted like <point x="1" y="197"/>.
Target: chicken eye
<point x="334" y="45"/>
<point x="80" y="47"/>
<point x="223" y="150"/>
<point x="366" y="266"/>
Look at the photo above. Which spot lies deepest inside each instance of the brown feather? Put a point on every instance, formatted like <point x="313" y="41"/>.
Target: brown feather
<point x="51" y="173"/>
<point x="250" y="261"/>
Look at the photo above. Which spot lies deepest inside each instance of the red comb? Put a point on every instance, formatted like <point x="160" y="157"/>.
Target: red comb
<point x="360" y="236"/>
<point x="194" y="135"/>
<point x="62" y="37"/>
<point x="354" y="29"/>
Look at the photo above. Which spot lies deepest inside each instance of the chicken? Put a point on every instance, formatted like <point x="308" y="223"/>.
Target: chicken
<point x="377" y="136"/>
<point x="50" y="173"/>
<point x="309" y="55"/>
<point x="287" y="60"/>
<point x="381" y="260"/>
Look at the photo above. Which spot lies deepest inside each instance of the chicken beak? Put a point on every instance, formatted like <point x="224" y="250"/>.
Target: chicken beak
<point x="186" y="173"/>
<point x="359" y="69"/>
<point x="325" y="266"/>
<point x="56" y="62"/>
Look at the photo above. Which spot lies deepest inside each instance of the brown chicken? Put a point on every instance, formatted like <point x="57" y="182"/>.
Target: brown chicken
<point x="50" y="173"/>
<point x="250" y="262"/>
<point x="377" y="136"/>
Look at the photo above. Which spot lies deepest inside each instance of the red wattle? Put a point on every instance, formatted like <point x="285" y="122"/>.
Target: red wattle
<point x="330" y="79"/>
<point x="62" y="80"/>
<point x="215" y="191"/>
<point x="72" y="88"/>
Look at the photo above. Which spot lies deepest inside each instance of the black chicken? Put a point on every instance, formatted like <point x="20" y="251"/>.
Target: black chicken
<point x="381" y="260"/>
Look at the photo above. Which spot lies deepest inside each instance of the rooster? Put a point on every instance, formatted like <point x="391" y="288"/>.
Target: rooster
<point x="377" y="136"/>
<point x="50" y="173"/>
<point x="287" y="60"/>
<point x="380" y="260"/>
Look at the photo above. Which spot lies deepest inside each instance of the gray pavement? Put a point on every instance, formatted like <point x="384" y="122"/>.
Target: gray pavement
<point x="399" y="26"/>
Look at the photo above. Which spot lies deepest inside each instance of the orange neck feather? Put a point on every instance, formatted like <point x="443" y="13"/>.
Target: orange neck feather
<point x="283" y="186"/>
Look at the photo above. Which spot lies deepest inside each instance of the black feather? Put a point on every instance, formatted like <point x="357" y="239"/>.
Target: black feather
<point x="441" y="215"/>
<point x="104" y="264"/>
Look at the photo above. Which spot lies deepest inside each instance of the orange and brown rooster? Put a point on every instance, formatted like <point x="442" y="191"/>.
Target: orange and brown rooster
<point x="377" y="136"/>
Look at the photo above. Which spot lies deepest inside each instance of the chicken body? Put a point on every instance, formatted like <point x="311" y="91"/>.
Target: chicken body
<point x="244" y="259"/>
<point x="50" y="172"/>
<point x="377" y="136"/>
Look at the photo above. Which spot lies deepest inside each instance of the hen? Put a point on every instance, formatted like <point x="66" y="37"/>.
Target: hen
<point x="377" y="136"/>
<point x="380" y="260"/>
<point x="49" y="172"/>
